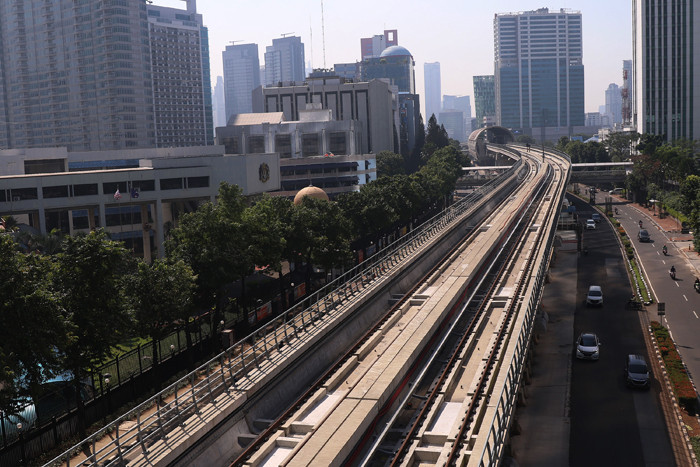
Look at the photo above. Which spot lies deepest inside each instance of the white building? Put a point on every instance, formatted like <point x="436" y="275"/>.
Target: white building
<point x="134" y="194"/>
<point x="613" y="103"/>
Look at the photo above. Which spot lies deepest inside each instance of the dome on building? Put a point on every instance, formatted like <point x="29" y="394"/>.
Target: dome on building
<point x="395" y="51"/>
<point x="311" y="191"/>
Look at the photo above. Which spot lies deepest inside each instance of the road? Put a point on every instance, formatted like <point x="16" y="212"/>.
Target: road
<point x="610" y="423"/>
<point x="681" y="300"/>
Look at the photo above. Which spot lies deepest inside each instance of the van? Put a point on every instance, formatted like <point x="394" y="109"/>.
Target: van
<point x="617" y="191"/>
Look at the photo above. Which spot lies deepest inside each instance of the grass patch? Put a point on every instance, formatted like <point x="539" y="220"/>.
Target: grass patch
<point x="640" y="283"/>
<point x="677" y="373"/>
<point x="695" y="442"/>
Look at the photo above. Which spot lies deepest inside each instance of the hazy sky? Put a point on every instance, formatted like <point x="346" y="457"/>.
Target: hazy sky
<point x="456" y="33"/>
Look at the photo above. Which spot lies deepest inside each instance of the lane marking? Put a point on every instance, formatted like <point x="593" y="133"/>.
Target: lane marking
<point x="677" y="285"/>
<point x="686" y="298"/>
<point x="696" y="315"/>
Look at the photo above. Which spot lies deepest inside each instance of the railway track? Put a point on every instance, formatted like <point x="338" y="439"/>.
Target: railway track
<point x="416" y="387"/>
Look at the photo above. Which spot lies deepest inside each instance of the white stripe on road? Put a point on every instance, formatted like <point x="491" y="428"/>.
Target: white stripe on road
<point x="696" y="315"/>
<point x="686" y="298"/>
<point x="677" y="285"/>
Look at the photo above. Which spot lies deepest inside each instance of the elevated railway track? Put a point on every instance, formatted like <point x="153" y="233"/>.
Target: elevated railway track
<point x="371" y="349"/>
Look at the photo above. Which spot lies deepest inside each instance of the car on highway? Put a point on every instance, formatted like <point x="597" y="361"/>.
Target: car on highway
<point x="643" y="235"/>
<point x="590" y="224"/>
<point x="594" y="296"/>
<point x="616" y="191"/>
<point x="596" y="217"/>
<point x="636" y="371"/>
<point x="587" y="346"/>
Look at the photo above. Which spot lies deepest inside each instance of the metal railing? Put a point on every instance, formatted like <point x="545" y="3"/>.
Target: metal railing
<point x="170" y="408"/>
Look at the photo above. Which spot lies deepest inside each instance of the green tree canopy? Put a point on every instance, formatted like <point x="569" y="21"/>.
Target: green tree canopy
<point x="390" y="164"/>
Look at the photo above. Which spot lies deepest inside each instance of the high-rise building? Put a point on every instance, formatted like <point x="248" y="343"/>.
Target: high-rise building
<point x="433" y="89"/>
<point x="461" y="104"/>
<point x="613" y="103"/>
<point x="484" y="99"/>
<point x="372" y="47"/>
<point x="453" y="121"/>
<point x="539" y="69"/>
<point x="348" y="71"/>
<point x="396" y="64"/>
<point x="241" y="76"/>
<point x="666" y="69"/>
<point x="219" y="103"/>
<point x="181" y="77"/>
<point x="285" y="61"/>
<point x="89" y="76"/>
<point x="627" y="92"/>
<point x="61" y="87"/>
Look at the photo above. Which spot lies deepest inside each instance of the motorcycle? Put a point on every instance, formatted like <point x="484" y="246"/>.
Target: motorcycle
<point x="697" y="285"/>
<point x="665" y="250"/>
<point x="640" y="225"/>
<point x="672" y="273"/>
<point x="616" y="212"/>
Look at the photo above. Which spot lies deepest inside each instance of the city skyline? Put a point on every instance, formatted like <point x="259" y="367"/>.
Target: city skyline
<point x="607" y="36"/>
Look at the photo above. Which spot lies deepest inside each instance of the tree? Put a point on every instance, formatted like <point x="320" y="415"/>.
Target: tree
<point x="690" y="204"/>
<point x="525" y="139"/>
<point x="320" y="234"/>
<point x="619" y="145"/>
<point x="215" y="243"/>
<point x="390" y="164"/>
<point x="436" y="134"/>
<point x="32" y="327"/>
<point x="268" y="223"/>
<point x="160" y="298"/>
<point x="89" y="277"/>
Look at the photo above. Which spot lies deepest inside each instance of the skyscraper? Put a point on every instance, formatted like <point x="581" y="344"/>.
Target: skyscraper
<point x="241" y="76"/>
<point x="666" y="69"/>
<point x="285" y="61"/>
<point x="484" y="99"/>
<point x="219" y="103"/>
<point x="181" y="77"/>
<point x="60" y="86"/>
<point x="89" y="76"/>
<point x="627" y="92"/>
<point x="539" y="69"/>
<point x="433" y="89"/>
<point x="461" y="104"/>
<point x="613" y="103"/>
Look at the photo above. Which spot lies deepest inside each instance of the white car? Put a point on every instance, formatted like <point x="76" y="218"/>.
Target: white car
<point x="587" y="346"/>
<point x="590" y="224"/>
<point x="594" y="296"/>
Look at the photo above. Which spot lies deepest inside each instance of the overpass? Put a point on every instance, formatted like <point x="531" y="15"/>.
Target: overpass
<point x="222" y="404"/>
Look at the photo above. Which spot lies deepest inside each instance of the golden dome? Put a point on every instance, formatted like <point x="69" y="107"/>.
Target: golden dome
<point x="311" y="191"/>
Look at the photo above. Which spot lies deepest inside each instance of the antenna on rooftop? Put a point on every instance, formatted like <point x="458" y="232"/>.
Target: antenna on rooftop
<point x="286" y="34"/>
<point x="311" y="39"/>
<point x="234" y="42"/>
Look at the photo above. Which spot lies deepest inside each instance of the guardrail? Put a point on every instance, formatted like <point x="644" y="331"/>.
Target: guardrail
<point x="153" y="419"/>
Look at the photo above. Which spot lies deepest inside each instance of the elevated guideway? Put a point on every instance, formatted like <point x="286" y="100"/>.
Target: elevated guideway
<point x="251" y="391"/>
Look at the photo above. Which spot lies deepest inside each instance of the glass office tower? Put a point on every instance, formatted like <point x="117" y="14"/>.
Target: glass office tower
<point x="665" y="69"/>
<point x="539" y="69"/>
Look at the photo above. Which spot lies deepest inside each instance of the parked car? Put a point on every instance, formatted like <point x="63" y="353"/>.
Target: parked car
<point x="596" y="217"/>
<point x="595" y="295"/>
<point x="587" y="346"/>
<point x="590" y="224"/>
<point x="636" y="371"/>
<point x="643" y="236"/>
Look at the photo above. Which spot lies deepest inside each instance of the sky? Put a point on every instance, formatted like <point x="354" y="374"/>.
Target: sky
<point x="456" y="33"/>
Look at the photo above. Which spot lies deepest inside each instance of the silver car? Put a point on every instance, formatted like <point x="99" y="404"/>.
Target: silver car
<point x="587" y="346"/>
<point x="636" y="371"/>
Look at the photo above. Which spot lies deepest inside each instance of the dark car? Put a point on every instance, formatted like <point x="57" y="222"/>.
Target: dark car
<point x="644" y="236"/>
<point x="596" y="217"/>
<point x="636" y="371"/>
